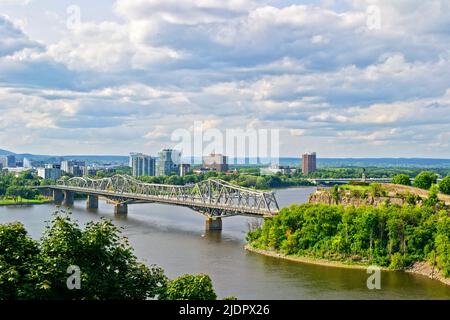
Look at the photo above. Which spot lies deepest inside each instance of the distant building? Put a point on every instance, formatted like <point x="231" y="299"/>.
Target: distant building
<point x="185" y="168"/>
<point x="130" y="161"/>
<point x="87" y="171"/>
<point x="217" y="162"/>
<point x="275" y="168"/>
<point x="49" y="172"/>
<point x="168" y="162"/>
<point x="308" y="163"/>
<point x="8" y="161"/>
<point x="74" y="167"/>
<point x="65" y="165"/>
<point x="27" y="163"/>
<point x="201" y="170"/>
<point x="142" y="165"/>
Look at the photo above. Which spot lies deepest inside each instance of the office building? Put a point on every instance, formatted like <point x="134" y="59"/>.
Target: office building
<point x="185" y="168"/>
<point x="27" y="163"/>
<point x="308" y="163"/>
<point x="8" y="161"/>
<point x="49" y="172"/>
<point x="142" y="165"/>
<point x="217" y="162"/>
<point x="74" y="167"/>
<point x="168" y="162"/>
<point x="87" y="171"/>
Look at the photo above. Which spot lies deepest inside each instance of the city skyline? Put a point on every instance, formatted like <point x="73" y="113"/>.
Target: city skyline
<point x="349" y="78"/>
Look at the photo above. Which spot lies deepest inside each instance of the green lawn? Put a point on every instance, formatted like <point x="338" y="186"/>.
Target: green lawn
<point x="5" y="202"/>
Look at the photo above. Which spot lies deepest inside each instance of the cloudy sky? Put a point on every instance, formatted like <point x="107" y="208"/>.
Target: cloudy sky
<point x="351" y="78"/>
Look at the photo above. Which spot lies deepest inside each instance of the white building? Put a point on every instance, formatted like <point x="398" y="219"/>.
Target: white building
<point x="49" y="173"/>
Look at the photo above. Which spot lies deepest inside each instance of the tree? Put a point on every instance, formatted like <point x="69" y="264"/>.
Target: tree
<point x="444" y="185"/>
<point x="109" y="269"/>
<point x="401" y="179"/>
<point x="433" y="198"/>
<point x="425" y="180"/>
<point x="17" y="256"/>
<point x="191" y="287"/>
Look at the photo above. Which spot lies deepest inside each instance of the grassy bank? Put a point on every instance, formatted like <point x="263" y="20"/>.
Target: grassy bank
<point x="18" y="202"/>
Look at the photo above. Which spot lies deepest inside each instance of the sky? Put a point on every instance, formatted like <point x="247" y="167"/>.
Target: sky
<point x="350" y="78"/>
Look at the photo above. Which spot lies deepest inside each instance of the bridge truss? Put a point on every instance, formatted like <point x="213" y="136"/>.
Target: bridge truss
<point x="212" y="197"/>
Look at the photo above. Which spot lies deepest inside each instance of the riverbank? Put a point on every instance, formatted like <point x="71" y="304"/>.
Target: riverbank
<point x="420" y="268"/>
<point x="23" y="202"/>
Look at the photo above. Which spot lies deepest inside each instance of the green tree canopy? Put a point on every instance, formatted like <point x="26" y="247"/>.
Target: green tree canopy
<point x="109" y="269"/>
<point x="191" y="287"/>
<point x="401" y="179"/>
<point x="444" y="185"/>
<point x="425" y="180"/>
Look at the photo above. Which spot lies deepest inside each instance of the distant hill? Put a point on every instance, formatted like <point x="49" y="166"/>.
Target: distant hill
<point x="5" y="152"/>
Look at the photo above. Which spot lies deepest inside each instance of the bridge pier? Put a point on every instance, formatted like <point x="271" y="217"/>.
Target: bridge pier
<point x="58" y="196"/>
<point x="121" y="209"/>
<point x="68" y="198"/>
<point x="213" y="224"/>
<point x="92" y="202"/>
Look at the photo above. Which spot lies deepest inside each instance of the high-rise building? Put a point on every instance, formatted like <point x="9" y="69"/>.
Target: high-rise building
<point x="27" y="163"/>
<point x="308" y="163"/>
<point x="215" y="161"/>
<point x="142" y="165"/>
<point x="73" y="167"/>
<point x="168" y="162"/>
<point x="8" y="161"/>
<point x="185" y="168"/>
<point x="50" y="172"/>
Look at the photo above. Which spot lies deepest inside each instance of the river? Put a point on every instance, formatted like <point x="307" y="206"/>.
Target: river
<point x="174" y="238"/>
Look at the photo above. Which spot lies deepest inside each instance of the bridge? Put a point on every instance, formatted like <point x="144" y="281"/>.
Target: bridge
<point x="213" y="198"/>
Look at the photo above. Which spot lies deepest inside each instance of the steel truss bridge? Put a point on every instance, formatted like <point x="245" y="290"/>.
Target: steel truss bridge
<point x="213" y="198"/>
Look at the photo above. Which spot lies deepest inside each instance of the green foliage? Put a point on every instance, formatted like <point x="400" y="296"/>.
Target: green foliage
<point x="403" y="179"/>
<point x="444" y="185"/>
<point x="389" y="236"/>
<point x="335" y="194"/>
<point x="433" y="198"/>
<point x="17" y="257"/>
<point x="230" y="298"/>
<point x="425" y="180"/>
<point x="191" y="287"/>
<point x="109" y="270"/>
<point x="108" y="267"/>
<point x="442" y="243"/>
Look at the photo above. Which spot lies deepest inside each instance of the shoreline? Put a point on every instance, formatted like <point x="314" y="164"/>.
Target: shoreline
<point x="419" y="268"/>
<point x="19" y="204"/>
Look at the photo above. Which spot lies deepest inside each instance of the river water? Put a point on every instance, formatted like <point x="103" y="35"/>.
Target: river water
<point x="174" y="238"/>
